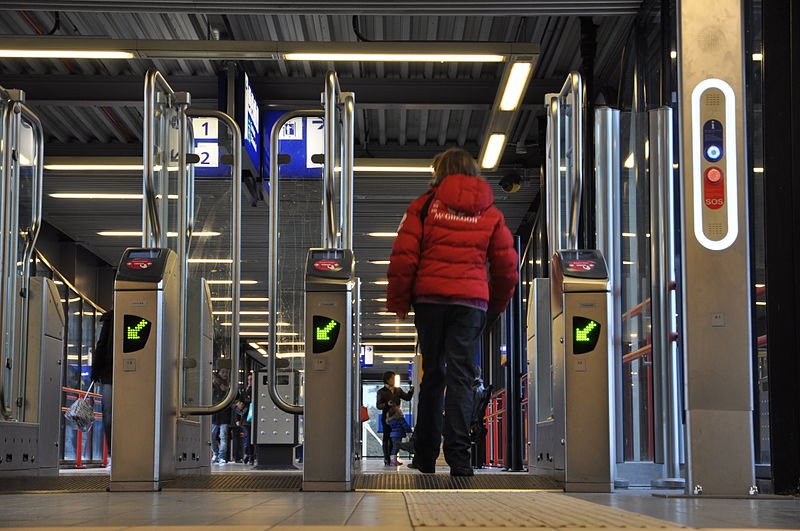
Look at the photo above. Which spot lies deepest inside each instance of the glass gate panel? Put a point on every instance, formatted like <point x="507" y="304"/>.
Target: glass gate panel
<point x="638" y="415"/>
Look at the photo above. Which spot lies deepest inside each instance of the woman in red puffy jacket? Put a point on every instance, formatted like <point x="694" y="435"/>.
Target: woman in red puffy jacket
<point x="439" y="264"/>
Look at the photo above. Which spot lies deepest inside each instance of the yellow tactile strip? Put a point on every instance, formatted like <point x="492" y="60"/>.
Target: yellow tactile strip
<point x="519" y="509"/>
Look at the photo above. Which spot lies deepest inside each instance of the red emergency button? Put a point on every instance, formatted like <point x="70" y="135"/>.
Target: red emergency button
<point x="714" y="175"/>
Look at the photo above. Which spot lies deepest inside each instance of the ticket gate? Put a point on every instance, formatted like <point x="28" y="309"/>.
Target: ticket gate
<point x="331" y="362"/>
<point x="149" y="443"/>
<point x="573" y="431"/>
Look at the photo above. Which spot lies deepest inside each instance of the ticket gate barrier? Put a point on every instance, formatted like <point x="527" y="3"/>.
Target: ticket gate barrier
<point x="30" y="444"/>
<point x="573" y="438"/>
<point x="331" y="362"/>
<point x="150" y="442"/>
<point x="275" y="432"/>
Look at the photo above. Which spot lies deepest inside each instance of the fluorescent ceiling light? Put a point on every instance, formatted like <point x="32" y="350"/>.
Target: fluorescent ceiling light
<point x="515" y="86"/>
<point x="382" y="234"/>
<point x="379" y="262"/>
<point x="396" y="57"/>
<point x="241" y="299"/>
<point x="69" y="195"/>
<point x="285" y="343"/>
<point x="761" y="303"/>
<point x="254" y="345"/>
<point x="290" y="355"/>
<point x="262" y="351"/>
<point x="65" y="54"/>
<point x="211" y="261"/>
<point x="397" y="361"/>
<point x="390" y="343"/>
<point x="629" y="234"/>
<point x="494" y="148"/>
<point x="398" y="334"/>
<point x="391" y="313"/>
<point x="758" y="57"/>
<point x="393" y="169"/>
<point x="242" y="312"/>
<point x="395" y="354"/>
<point x="395" y="324"/>
<point x="133" y="233"/>
<point x="381" y="282"/>
<point x="758" y="170"/>
<point x="382" y="299"/>
<point x="760" y="285"/>
<point x="256" y="324"/>
<point x="265" y="333"/>
<point x="94" y="167"/>
<point x="229" y="281"/>
<point x="627" y="262"/>
<point x="673" y="54"/>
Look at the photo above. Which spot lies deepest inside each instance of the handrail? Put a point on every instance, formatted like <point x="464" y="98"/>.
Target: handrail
<point x="153" y="236"/>
<point x="185" y="227"/>
<point x="67" y="283"/>
<point x="236" y="235"/>
<point x="272" y="273"/>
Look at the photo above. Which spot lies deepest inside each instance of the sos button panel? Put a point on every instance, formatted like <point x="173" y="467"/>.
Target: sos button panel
<point x="714" y="160"/>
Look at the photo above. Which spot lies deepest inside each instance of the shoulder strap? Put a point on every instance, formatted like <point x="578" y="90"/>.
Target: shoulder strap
<point x="424" y="212"/>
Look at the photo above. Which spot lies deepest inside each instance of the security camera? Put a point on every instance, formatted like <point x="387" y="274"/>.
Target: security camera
<point x="511" y="182"/>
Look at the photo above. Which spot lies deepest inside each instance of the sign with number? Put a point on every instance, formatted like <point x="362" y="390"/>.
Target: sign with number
<point x="205" y="128"/>
<point x="300" y="139"/>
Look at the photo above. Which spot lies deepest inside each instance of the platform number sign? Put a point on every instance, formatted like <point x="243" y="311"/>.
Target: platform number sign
<point x="585" y="334"/>
<point x="206" y="142"/>
<point x="326" y="332"/>
<point x="137" y="331"/>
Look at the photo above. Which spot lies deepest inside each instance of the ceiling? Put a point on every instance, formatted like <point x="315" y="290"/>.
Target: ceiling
<point x="404" y="110"/>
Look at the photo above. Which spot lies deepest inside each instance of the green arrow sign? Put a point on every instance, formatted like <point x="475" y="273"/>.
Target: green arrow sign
<point x="133" y="332"/>
<point x="582" y="334"/>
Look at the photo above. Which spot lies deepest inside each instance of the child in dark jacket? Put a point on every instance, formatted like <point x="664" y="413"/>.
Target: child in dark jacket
<point x="397" y="423"/>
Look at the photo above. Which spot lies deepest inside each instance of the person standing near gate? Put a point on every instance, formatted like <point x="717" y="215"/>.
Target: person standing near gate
<point x="439" y="264"/>
<point x="389" y="396"/>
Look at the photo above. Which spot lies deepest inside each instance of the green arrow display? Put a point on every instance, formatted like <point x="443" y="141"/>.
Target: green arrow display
<point x="133" y="332"/>
<point x="324" y="333"/>
<point x="582" y="334"/>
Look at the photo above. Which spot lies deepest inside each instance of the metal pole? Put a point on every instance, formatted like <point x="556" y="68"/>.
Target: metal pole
<point x="8" y="117"/>
<point x="552" y="177"/>
<point x="329" y="102"/>
<point x="32" y="234"/>
<point x="236" y="245"/>
<point x="662" y="308"/>
<point x="272" y="273"/>
<point x="573" y="90"/>
<point x="151" y="225"/>
<point x="184" y="231"/>
<point x="348" y="162"/>
<point x="607" y="153"/>
<point x="514" y="407"/>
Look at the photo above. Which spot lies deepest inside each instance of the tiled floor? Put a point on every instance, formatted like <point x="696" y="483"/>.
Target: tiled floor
<point x="285" y="511"/>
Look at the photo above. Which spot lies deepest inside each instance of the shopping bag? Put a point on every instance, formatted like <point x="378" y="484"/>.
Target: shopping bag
<point x="364" y="414"/>
<point x="80" y="414"/>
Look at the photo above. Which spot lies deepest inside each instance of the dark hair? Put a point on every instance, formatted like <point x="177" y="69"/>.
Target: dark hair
<point x="453" y="161"/>
<point x="388" y="376"/>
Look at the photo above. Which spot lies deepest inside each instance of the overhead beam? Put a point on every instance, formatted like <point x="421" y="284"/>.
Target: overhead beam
<point x="127" y="91"/>
<point x="448" y="51"/>
<point x="352" y="7"/>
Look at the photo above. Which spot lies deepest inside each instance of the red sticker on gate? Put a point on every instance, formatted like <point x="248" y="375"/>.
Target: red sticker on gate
<point x="580" y="265"/>
<point x="139" y="263"/>
<point x="328" y="265"/>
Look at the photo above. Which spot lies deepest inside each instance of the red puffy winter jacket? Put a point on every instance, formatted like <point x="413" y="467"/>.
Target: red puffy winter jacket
<point x="446" y="254"/>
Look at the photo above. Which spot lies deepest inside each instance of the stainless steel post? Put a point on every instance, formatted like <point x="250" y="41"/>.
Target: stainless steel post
<point x="151" y="225"/>
<point x="552" y="175"/>
<point x="274" y="234"/>
<point x="607" y="151"/>
<point x="573" y="91"/>
<point x="329" y="102"/>
<point x="348" y="163"/>
<point x="185" y="202"/>
<point x="7" y="115"/>
<point x="662" y="280"/>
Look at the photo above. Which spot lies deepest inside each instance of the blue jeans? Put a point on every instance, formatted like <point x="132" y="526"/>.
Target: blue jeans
<point x="219" y="447"/>
<point x="448" y="334"/>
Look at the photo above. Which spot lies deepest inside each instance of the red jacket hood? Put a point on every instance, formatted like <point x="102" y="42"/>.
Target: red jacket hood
<point x="465" y="193"/>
